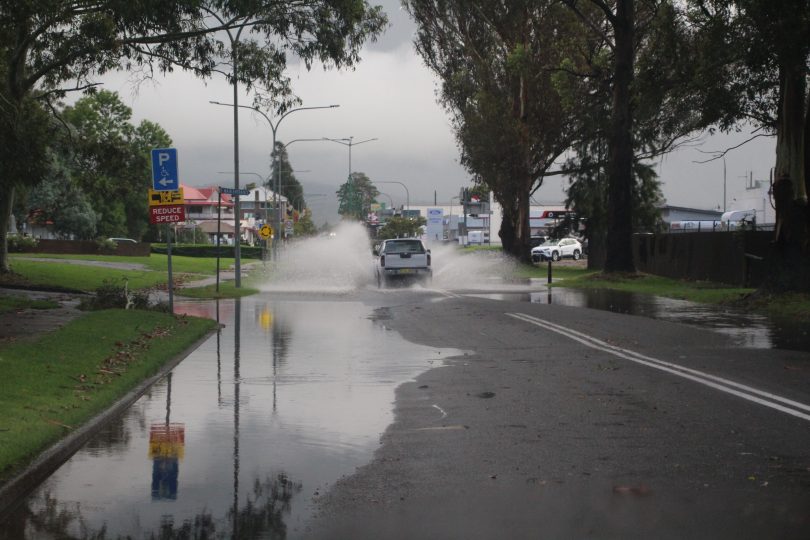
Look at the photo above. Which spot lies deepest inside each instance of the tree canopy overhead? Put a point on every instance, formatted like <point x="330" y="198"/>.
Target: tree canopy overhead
<point x="49" y="47"/>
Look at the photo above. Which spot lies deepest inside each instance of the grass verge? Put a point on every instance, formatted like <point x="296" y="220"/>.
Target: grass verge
<point x="16" y="303"/>
<point x="51" y="386"/>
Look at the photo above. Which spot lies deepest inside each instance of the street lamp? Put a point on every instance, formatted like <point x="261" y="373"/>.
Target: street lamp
<point x="350" y="142"/>
<point x="407" y="194"/>
<point x="274" y="128"/>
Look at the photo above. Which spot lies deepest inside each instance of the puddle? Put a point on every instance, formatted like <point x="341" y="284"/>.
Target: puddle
<point x="744" y="329"/>
<point x="243" y="434"/>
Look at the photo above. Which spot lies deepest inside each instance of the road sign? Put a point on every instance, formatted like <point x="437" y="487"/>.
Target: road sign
<point x="234" y="191"/>
<point x="167" y="213"/>
<point x="165" y="175"/>
<point x="158" y="198"/>
<point x="266" y="231"/>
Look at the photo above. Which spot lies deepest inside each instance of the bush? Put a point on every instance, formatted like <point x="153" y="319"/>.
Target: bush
<point x="17" y="243"/>
<point x="113" y="295"/>
<point x="105" y="245"/>
<point x="207" y="250"/>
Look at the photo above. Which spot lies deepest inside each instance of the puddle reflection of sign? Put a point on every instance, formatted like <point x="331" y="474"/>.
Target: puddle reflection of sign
<point x="265" y="319"/>
<point x="166" y="449"/>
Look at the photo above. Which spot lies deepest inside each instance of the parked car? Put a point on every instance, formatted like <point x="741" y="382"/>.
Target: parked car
<point x="557" y="249"/>
<point x="401" y="259"/>
<point x="124" y="240"/>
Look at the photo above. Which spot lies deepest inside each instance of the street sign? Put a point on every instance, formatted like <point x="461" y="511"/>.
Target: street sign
<point x="165" y="175"/>
<point x="266" y="231"/>
<point x="158" y="198"/>
<point x="234" y="191"/>
<point x="167" y="213"/>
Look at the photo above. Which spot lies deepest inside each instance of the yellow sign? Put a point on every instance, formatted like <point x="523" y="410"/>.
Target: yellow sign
<point x="160" y="198"/>
<point x="266" y="232"/>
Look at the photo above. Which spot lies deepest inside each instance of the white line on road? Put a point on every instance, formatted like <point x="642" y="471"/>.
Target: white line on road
<point x="749" y="393"/>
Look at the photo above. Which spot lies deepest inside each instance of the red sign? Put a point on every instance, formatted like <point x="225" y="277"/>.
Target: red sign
<point x="167" y="213"/>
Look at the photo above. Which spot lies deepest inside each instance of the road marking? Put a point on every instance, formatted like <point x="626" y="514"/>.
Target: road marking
<point x="773" y="401"/>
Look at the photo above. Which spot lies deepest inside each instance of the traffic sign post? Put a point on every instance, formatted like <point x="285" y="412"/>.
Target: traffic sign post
<point x="166" y="207"/>
<point x="165" y="172"/>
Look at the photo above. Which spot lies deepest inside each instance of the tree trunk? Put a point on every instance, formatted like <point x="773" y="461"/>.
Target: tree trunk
<point x="789" y="263"/>
<point x="619" y="255"/>
<point x="790" y="158"/>
<point x="6" y="204"/>
<point x="515" y="231"/>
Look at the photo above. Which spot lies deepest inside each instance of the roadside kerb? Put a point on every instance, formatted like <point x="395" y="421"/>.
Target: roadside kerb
<point x="13" y="492"/>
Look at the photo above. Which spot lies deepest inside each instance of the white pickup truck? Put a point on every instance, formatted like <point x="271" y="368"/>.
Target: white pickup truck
<point x="402" y="258"/>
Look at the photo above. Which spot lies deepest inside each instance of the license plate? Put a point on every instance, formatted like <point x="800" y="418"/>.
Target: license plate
<point x="406" y="271"/>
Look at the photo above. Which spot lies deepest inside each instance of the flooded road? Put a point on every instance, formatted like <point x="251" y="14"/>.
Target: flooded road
<point x="243" y="435"/>
<point x="291" y="395"/>
<point x="744" y="329"/>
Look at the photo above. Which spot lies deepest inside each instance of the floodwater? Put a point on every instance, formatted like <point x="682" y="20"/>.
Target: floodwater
<point x="744" y="329"/>
<point x="291" y="394"/>
<point x="243" y="435"/>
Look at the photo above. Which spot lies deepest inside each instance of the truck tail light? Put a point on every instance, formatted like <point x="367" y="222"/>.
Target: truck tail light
<point x="428" y="259"/>
<point x="382" y="261"/>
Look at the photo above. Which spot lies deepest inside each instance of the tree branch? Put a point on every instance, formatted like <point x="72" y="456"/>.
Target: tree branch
<point x="720" y="154"/>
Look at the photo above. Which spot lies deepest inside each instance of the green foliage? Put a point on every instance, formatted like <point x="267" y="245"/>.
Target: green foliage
<point x="18" y="243"/>
<point x="208" y="250"/>
<point x="401" y="227"/>
<point x="304" y="226"/>
<point x="355" y="196"/>
<point x="106" y="246"/>
<point x="50" y="44"/>
<point x="116" y="294"/>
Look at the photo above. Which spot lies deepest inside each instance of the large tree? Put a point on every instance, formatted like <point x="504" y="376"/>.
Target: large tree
<point x="755" y="55"/>
<point x="47" y="45"/>
<point x="355" y="196"/>
<point x="493" y="62"/>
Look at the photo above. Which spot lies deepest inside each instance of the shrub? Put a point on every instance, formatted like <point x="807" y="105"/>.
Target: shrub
<point x="114" y="295"/>
<point x="105" y="245"/>
<point x="17" y="243"/>
<point x="207" y="250"/>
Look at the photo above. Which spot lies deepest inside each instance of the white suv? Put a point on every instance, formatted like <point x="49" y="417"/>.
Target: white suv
<point x="557" y="249"/>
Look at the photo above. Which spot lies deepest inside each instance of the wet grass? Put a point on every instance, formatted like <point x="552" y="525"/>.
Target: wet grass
<point x="696" y="291"/>
<point x="227" y="289"/>
<point x="16" y="303"/>
<point x="55" y="384"/>
<point x="156" y="262"/>
<point x="88" y="278"/>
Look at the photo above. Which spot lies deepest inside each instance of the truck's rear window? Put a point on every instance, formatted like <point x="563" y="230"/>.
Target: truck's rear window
<point x="404" y="246"/>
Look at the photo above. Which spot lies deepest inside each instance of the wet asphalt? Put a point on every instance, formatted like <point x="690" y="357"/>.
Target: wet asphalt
<point x="530" y="434"/>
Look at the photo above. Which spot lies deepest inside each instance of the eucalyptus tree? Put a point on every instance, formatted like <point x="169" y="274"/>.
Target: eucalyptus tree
<point x="281" y="167"/>
<point x="355" y="196"/>
<point x="666" y="99"/>
<point x="50" y="47"/>
<point x="493" y="59"/>
<point x="755" y="58"/>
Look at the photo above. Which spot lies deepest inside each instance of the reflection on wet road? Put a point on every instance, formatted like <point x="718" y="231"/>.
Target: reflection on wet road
<point x="744" y="329"/>
<point x="242" y="435"/>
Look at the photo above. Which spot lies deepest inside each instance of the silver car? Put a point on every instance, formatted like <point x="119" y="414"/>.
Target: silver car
<point x="557" y="249"/>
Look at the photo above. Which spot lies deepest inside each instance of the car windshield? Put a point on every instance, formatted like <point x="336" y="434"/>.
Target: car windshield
<point x="549" y="243"/>
<point x="404" y="246"/>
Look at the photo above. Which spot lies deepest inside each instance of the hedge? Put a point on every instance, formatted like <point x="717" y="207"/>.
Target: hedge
<point x="207" y="250"/>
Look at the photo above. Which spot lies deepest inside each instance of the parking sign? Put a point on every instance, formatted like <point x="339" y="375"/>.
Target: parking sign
<point x="165" y="175"/>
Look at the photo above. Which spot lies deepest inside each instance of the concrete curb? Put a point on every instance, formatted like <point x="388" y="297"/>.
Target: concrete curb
<point x="13" y="492"/>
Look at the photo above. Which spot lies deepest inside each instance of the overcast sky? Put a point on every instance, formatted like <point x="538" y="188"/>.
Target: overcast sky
<point x="390" y="96"/>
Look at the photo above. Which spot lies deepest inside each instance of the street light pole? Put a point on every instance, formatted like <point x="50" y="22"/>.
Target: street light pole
<point x="234" y="39"/>
<point x="274" y="128"/>
<point x="349" y="141"/>
<point x="407" y="193"/>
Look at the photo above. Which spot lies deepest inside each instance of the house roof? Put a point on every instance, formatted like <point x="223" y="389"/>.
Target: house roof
<point x="204" y="196"/>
